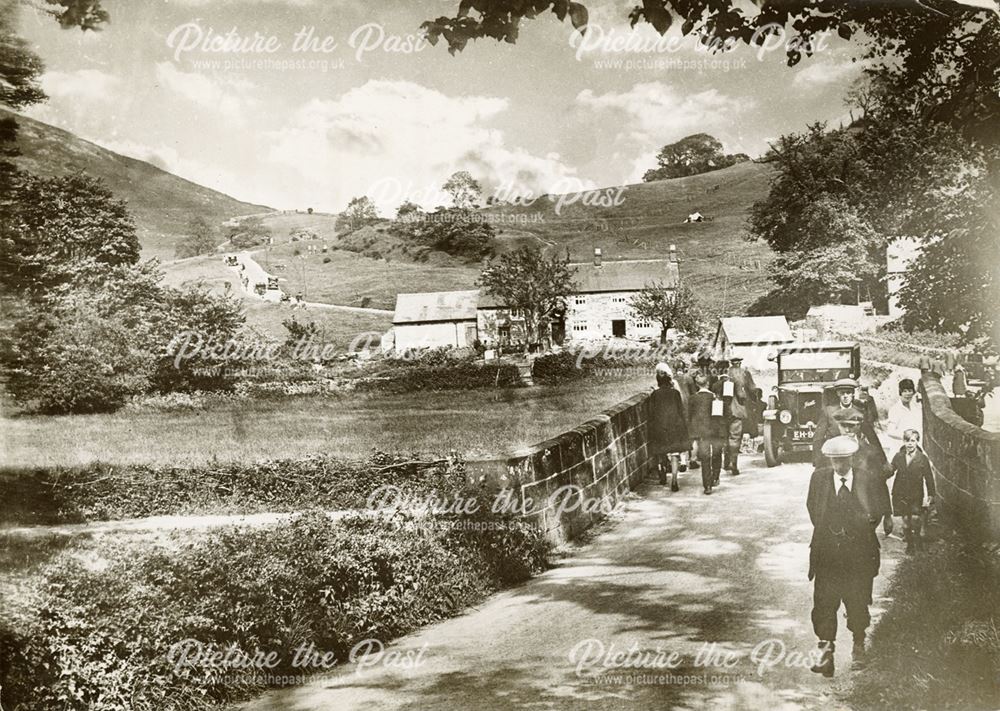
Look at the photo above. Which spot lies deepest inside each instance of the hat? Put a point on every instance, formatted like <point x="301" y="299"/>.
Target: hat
<point x="846" y="384"/>
<point x="840" y="447"/>
<point x="665" y="369"/>
<point x="906" y="384"/>
<point x="736" y="358"/>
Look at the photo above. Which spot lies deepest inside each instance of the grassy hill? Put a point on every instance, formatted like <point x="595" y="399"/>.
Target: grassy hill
<point x="716" y="260"/>
<point x="161" y="202"/>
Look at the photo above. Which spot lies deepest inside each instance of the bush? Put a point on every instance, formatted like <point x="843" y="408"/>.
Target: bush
<point x="101" y="634"/>
<point x="457" y="375"/>
<point x="99" y="493"/>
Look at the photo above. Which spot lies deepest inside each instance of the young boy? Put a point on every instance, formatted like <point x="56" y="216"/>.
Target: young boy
<point x="913" y="477"/>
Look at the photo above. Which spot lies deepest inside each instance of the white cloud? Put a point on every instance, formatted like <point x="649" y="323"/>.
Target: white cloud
<point x="228" y="97"/>
<point x="822" y="72"/>
<point x="82" y="84"/>
<point x="657" y="111"/>
<point x="396" y="140"/>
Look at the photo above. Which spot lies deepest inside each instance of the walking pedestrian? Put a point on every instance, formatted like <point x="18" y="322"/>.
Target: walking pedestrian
<point x="913" y="489"/>
<point x="708" y="427"/>
<point x="667" y="426"/>
<point x="844" y="551"/>
<point x="905" y="414"/>
<point x="846" y="408"/>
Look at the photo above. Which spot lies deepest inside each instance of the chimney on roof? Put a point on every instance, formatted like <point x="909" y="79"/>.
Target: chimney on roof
<point x="597" y="256"/>
<point x="673" y="253"/>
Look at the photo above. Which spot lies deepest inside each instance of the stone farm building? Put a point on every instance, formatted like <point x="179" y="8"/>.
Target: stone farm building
<point x="752" y="338"/>
<point x="599" y="308"/>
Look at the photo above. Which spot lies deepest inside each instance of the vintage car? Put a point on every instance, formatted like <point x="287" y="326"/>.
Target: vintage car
<point x="806" y="374"/>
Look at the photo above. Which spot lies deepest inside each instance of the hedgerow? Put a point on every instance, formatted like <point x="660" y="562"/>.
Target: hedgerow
<point x="98" y="492"/>
<point x="99" y="636"/>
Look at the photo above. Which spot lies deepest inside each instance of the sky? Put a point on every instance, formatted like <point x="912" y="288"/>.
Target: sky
<point x="308" y="103"/>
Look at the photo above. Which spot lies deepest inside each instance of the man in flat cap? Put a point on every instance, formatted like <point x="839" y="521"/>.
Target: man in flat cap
<point x="847" y="408"/>
<point x="844" y="551"/>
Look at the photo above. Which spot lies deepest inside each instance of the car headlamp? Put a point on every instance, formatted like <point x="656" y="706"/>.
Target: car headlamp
<point x="785" y="416"/>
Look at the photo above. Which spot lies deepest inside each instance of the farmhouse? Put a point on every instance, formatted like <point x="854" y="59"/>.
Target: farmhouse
<point x="599" y="308"/>
<point x="434" y="319"/>
<point x="752" y="338"/>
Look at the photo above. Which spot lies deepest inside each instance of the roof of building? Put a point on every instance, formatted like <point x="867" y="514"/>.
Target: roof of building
<point x="759" y="330"/>
<point x="620" y="275"/>
<point x="435" y="306"/>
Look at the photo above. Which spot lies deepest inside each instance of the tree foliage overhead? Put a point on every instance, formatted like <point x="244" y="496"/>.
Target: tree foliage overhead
<point x="692" y="155"/>
<point x="530" y="283"/>
<point x="949" y="46"/>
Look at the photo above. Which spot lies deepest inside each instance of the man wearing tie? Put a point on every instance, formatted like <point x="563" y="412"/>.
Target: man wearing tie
<point x="844" y="551"/>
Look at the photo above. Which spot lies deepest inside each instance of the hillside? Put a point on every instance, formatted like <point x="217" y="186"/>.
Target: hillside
<point x="161" y="202"/>
<point x="717" y="261"/>
<point x="371" y="264"/>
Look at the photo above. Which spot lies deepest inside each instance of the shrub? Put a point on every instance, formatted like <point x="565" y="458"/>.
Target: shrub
<point x="457" y="375"/>
<point x="101" y="635"/>
<point x="97" y="493"/>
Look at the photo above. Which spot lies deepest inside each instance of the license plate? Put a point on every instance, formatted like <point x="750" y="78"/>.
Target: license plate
<point x="799" y="435"/>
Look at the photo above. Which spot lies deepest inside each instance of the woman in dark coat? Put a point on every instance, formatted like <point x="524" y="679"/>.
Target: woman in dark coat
<point x="913" y="473"/>
<point x="667" y="426"/>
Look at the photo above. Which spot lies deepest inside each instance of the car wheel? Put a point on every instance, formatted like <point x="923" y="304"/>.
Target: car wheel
<point x="772" y="452"/>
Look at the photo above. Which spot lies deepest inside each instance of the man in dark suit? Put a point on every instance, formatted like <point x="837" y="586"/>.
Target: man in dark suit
<point x="846" y="408"/>
<point x="870" y="460"/>
<point x="844" y="551"/>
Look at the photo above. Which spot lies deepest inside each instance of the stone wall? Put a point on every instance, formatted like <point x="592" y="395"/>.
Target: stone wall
<point x="567" y="483"/>
<point x="966" y="463"/>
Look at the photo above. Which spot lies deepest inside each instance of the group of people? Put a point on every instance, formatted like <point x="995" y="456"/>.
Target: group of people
<point x="702" y="415"/>
<point x="698" y="417"/>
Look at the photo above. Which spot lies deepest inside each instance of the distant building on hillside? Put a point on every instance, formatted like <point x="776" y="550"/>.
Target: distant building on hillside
<point x="598" y="309"/>
<point x="752" y="338"/>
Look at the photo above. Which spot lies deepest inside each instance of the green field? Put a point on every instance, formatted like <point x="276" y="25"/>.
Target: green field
<point x="349" y="278"/>
<point x="337" y="327"/>
<point x="477" y="424"/>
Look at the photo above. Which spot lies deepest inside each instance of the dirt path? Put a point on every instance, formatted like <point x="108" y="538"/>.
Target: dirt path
<point x="673" y="573"/>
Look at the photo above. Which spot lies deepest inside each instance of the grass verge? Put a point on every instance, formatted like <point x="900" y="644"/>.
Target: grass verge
<point x="938" y="644"/>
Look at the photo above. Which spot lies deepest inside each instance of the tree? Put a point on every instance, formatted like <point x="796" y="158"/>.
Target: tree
<point x="455" y="231"/>
<point x="695" y="154"/>
<point x="464" y="190"/>
<point x="526" y="281"/>
<point x="671" y="308"/>
<point x="360" y="211"/>
<point x="408" y="210"/>
<point x="202" y="238"/>
<point x="49" y="226"/>
<point x="249" y="232"/>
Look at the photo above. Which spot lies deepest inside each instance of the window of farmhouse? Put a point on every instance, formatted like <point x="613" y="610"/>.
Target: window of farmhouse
<point x="581" y="300"/>
<point x="579" y="327"/>
<point x="618" y="299"/>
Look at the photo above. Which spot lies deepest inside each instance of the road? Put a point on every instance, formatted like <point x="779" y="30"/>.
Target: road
<point x="669" y="573"/>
